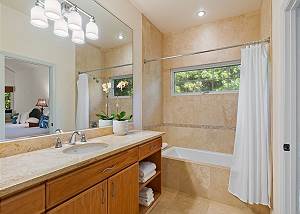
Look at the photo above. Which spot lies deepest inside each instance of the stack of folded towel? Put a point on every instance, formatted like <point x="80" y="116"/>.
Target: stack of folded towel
<point x="147" y="170"/>
<point x="146" y="196"/>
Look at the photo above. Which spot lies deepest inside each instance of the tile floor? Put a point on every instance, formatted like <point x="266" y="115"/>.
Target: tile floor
<point x="174" y="202"/>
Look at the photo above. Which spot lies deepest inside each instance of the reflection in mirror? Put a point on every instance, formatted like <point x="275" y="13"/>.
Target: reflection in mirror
<point x="55" y="76"/>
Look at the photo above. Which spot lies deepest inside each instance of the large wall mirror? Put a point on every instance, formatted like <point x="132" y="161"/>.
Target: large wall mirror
<point x="63" y="65"/>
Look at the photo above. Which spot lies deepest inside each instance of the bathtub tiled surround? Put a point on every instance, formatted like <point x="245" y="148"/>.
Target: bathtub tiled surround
<point x="202" y="180"/>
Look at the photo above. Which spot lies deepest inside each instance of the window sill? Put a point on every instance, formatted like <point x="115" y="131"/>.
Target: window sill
<point x="205" y="93"/>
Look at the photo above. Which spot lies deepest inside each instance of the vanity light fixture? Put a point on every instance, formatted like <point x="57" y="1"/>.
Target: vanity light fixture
<point x="74" y="20"/>
<point x="66" y="16"/>
<point x="38" y="18"/>
<point x="61" y="28"/>
<point x="52" y="9"/>
<point x="121" y="37"/>
<point x="78" y="37"/>
<point x="201" y="13"/>
<point x="91" y="30"/>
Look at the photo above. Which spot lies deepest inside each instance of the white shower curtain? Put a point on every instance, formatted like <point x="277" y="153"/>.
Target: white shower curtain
<point x="82" y="116"/>
<point x="250" y="173"/>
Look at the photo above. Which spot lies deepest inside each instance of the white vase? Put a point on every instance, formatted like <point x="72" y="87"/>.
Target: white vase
<point x="104" y="123"/>
<point x="120" y="127"/>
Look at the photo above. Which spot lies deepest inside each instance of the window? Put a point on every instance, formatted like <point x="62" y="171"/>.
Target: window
<point x="8" y="101"/>
<point x="218" y="77"/>
<point x="127" y="90"/>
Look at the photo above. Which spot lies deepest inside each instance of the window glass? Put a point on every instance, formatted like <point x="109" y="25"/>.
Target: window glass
<point x="8" y="101"/>
<point x="208" y="79"/>
<point x="126" y="90"/>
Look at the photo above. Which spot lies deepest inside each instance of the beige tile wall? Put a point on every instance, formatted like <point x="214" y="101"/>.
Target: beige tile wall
<point x="205" y="121"/>
<point x="152" y="76"/>
<point x="205" y="181"/>
<point x="118" y="56"/>
<point x="89" y="57"/>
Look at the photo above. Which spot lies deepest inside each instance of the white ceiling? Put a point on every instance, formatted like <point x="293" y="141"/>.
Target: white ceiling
<point x="177" y="15"/>
<point x="109" y="26"/>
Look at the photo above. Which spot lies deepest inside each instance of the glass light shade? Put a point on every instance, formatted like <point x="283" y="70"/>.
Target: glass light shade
<point x="52" y="9"/>
<point x="74" y="21"/>
<point x="61" y="28"/>
<point x="91" y="31"/>
<point x="38" y="18"/>
<point x="78" y="37"/>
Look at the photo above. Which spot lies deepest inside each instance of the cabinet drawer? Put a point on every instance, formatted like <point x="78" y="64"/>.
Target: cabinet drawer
<point x="31" y="201"/>
<point x="69" y="185"/>
<point x="93" y="200"/>
<point x="149" y="148"/>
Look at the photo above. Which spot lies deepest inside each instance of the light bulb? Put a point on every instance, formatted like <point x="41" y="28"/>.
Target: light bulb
<point x="120" y="36"/>
<point x="61" y="28"/>
<point x="201" y="13"/>
<point x="38" y="18"/>
<point x="78" y="37"/>
<point x="74" y="20"/>
<point x="92" y="31"/>
<point x="52" y="9"/>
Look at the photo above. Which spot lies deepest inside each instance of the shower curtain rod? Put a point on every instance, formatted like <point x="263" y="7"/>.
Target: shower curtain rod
<point x="106" y="68"/>
<point x="207" y="51"/>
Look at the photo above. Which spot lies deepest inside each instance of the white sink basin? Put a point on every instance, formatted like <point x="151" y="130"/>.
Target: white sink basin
<point x="85" y="148"/>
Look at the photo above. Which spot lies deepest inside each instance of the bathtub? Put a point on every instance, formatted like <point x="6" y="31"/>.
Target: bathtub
<point x="199" y="173"/>
<point x="198" y="156"/>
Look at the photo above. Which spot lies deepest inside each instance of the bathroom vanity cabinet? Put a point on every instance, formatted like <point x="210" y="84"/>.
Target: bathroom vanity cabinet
<point x="109" y="186"/>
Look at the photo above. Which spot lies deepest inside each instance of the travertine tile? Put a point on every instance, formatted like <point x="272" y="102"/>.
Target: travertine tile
<point x="205" y="181"/>
<point x="216" y="140"/>
<point x="182" y="203"/>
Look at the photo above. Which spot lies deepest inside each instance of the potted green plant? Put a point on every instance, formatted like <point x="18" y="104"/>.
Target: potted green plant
<point x="104" y="118"/>
<point x="120" y="123"/>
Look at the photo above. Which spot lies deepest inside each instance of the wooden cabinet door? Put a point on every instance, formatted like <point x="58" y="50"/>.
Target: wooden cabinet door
<point x="31" y="201"/>
<point x="92" y="201"/>
<point x="123" y="191"/>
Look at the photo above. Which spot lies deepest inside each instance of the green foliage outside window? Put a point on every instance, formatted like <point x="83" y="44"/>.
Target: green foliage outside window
<point x="224" y="78"/>
<point x="7" y="101"/>
<point x="127" y="91"/>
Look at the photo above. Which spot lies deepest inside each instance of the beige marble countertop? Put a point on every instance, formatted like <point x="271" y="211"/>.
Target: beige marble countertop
<point x="24" y="170"/>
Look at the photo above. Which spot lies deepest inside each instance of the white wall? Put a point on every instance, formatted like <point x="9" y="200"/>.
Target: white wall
<point x="126" y="12"/>
<point x="21" y="38"/>
<point x="9" y="77"/>
<point x="277" y="120"/>
<point x="30" y="85"/>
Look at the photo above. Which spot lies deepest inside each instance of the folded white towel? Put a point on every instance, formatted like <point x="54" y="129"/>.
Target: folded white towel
<point x="146" y="203"/>
<point x="146" y="190"/>
<point x="146" y="195"/>
<point x="147" y="177"/>
<point x="146" y="167"/>
<point x="164" y="145"/>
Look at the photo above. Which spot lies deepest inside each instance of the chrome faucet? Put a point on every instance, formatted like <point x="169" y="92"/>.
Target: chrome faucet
<point x="72" y="140"/>
<point x="58" y="143"/>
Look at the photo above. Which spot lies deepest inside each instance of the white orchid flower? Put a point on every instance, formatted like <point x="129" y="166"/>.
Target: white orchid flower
<point x="122" y="84"/>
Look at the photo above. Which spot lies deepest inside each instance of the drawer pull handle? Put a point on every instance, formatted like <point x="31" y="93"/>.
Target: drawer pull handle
<point x="153" y="147"/>
<point x="108" y="169"/>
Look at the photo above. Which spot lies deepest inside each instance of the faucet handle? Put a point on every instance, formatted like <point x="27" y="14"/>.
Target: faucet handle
<point x="58" y="143"/>
<point x="83" y="137"/>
